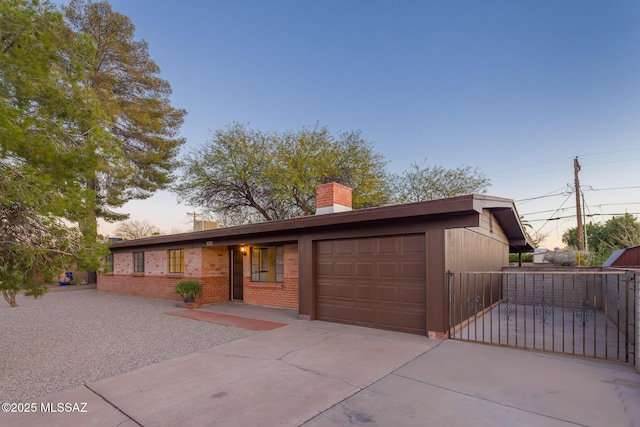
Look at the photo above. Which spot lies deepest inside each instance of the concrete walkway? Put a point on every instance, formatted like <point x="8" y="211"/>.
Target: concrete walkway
<point x="325" y="374"/>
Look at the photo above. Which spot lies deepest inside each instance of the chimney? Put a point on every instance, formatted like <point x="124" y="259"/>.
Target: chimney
<point x="332" y="197"/>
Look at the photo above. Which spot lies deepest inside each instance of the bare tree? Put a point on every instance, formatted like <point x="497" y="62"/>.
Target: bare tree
<point x="136" y="229"/>
<point x="537" y="238"/>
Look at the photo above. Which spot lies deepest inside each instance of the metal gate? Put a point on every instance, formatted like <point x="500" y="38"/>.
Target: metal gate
<point x="580" y="313"/>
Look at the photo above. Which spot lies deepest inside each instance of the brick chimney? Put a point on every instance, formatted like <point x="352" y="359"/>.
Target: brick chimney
<point x="332" y="197"/>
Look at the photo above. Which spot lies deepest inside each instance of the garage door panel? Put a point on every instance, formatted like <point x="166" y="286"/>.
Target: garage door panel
<point x="364" y="316"/>
<point x="413" y="321"/>
<point x="341" y="310"/>
<point x="325" y="269"/>
<point x="385" y="289"/>
<point x="365" y="269"/>
<point x="325" y="290"/>
<point x="344" y="291"/>
<point x="387" y="316"/>
<point x="388" y="294"/>
<point x="412" y="244"/>
<point x="324" y="247"/>
<point x="388" y="245"/>
<point x="412" y="270"/>
<point x="365" y="247"/>
<point x="343" y="246"/>
<point x="387" y="269"/>
<point x="343" y="269"/>
<point x="365" y="292"/>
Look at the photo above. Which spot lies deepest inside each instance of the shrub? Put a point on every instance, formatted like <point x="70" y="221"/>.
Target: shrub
<point x="525" y="257"/>
<point x="188" y="289"/>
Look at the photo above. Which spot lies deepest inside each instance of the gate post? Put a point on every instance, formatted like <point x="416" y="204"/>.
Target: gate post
<point x="449" y="303"/>
<point x="636" y="313"/>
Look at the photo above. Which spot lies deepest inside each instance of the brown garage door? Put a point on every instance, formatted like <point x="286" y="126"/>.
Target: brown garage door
<point x="377" y="282"/>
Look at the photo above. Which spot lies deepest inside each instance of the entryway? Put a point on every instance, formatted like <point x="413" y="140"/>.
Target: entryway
<point x="237" y="276"/>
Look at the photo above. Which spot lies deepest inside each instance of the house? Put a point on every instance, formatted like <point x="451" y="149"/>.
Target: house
<point x="627" y="257"/>
<point x="383" y="267"/>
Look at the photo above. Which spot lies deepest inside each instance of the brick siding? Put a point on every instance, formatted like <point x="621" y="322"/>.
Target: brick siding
<point x="158" y="287"/>
<point x="284" y="295"/>
<point x="123" y="263"/>
<point x="156" y="263"/>
<point x="208" y="265"/>
<point x="333" y="193"/>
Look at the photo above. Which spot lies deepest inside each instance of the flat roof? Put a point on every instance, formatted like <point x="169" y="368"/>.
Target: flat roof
<point x="503" y="209"/>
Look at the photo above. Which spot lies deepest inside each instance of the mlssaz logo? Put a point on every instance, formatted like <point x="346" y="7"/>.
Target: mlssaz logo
<point x="63" y="407"/>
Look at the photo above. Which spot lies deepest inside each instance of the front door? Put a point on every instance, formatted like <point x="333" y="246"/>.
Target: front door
<point x="236" y="274"/>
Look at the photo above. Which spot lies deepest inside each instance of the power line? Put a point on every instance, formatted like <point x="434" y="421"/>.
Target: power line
<point x="549" y="210"/>
<point x="549" y="194"/>
<point x="563" y="160"/>
<point x="565" y="201"/>
<point x="616" y="204"/>
<point x="587" y="207"/>
<point x="600" y="154"/>
<point x="573" y="216"/>
<point x="612" y="162"/>
<point x="613" y="188"/>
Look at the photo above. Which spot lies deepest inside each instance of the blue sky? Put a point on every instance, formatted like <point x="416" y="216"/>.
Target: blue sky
<point x="514" y="88"/>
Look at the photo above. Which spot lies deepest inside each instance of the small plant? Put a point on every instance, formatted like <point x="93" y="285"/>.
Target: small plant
<point x="188" y="289"/>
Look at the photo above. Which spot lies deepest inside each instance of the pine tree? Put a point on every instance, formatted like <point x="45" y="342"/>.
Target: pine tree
<point x="140" y="153"/>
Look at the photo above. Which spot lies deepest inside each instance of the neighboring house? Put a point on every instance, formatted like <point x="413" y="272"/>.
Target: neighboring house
<point x="382" y="267"/>
<point x="538" y="255"/>
<point x="627" y="257"/>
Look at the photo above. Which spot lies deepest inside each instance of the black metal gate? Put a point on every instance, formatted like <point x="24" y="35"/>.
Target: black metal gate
<point x="581" y="313"/>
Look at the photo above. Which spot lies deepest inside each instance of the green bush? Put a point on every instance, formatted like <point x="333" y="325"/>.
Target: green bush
<point x="525" y="257"/>
<point x="187" y="288"/>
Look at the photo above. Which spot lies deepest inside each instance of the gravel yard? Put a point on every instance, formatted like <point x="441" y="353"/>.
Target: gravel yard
<point x="69" y="338"/>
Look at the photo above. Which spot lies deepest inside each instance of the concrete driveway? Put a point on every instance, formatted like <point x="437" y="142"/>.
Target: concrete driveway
<point x="325" y="374"/>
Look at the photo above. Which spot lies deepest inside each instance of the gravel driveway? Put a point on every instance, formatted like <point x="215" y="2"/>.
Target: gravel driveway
<point x="68" y="338"/>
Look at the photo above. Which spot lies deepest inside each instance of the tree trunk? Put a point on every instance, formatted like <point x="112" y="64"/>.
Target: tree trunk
<point x="10" y="297"/>
<point x="89" y="221"/>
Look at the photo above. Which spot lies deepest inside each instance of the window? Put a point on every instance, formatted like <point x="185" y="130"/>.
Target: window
<point x="138" y="262"/>
<point x="109" y="263"/>
<point x="267" y="264"/>
<point x="176" y="261"/>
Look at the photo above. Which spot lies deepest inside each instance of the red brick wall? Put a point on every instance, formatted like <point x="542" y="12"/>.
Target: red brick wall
<point x="193" y="262"/>
<point x="158" y="287"/>
<point x="333" y="193"/>
<point x="208" y="265"/>
<point x="123" y="263"/>
<point x="214" y="270"/>
<point x="156" y="263"/>
<point x="283" y="295"/>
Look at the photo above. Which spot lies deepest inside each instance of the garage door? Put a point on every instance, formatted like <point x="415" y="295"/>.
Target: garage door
<point x="377" y="282"/>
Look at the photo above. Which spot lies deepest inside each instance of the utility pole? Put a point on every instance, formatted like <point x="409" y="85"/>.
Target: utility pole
<point x="584" y="225"/>
<point x="194" y="219"/>
<point x="576" y="169"/>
